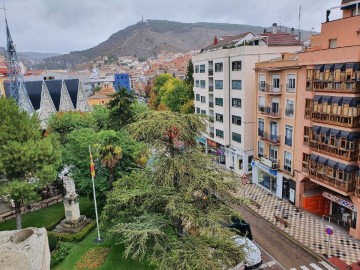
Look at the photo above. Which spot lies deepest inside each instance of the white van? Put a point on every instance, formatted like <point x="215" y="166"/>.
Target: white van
<point x="251" y="251"/>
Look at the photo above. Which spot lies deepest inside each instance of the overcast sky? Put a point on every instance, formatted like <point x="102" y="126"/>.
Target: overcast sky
<point x="70" y="25"/>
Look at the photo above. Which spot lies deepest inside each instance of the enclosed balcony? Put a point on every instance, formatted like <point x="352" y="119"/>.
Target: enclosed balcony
<point x="333" y="142"/>
<point x="271" y="163"/>
<point x="211" y="88"/>
<point x="273" y="111"/>
<point x="210" y="72"/>
<point x="330" y="173"/>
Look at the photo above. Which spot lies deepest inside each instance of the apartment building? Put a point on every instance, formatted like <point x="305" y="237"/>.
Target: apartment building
<point x="224" y="88"/>
<point x="276" y="91"/>
<point x="328" y="121"/>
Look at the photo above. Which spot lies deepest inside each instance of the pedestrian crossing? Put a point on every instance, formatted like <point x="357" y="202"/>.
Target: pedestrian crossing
<point x="315" y="266"/>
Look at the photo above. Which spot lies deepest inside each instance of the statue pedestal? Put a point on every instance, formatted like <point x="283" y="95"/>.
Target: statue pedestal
<point x="73" y="221"/>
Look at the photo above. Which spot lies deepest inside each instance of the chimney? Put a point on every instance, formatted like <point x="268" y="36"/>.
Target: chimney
<point x="274" y="28"/>
<point x="215" y="41"/>
<point x="292" y="31"/>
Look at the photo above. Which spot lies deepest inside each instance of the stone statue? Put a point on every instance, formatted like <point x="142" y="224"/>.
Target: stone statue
<point x="68" y="182"/>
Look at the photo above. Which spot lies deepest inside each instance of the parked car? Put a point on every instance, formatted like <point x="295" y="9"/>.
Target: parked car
<point x="241" y="227"/>
<point x="252" y="253"/>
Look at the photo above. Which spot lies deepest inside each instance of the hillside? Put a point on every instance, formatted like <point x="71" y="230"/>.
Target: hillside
<point x="152" y="37"/>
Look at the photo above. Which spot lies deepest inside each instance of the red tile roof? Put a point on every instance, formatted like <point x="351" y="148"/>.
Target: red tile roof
<point x="280" y="39"/>
<point x="226" y="40"/>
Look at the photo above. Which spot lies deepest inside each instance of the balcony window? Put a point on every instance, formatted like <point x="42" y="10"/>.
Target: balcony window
<point x="291" y="83"/>
<point x="219" y="133"/>
<point x="203" y="112"/>
<point x="197" y="69"/>
<point x="219" y="84"/>
<point x="202" y="84"/>
<point x="261" y="103"/>
<point x="289" y="110"/>
<point x="203" y="99"/>
<point x="236" y="120"/>
<point x="219" y="102"/>
<point x="276" y="82"/>
<point x="236" y="65"/>
<point x="306" y="135"/>
<point x="261" y="126"/>
<point x="287" y="161"/>
<point x="197" y="97"/>
<point x="288" y="135"/>
<point x="273" y="153"/>
<point x="202" y="68"/>
<point x="236" y="102"/>
<point x="260" y="149"/>
<point x="236" y="137"/>
<point x="197" y="83"/>
<point x="218" y="67"/>
<point x="198" y="110"/>
<point x="262" y="82"/>
<point x="236" y="84"/>
<point x="332" y="43"/>
<point x="219" y="117"/>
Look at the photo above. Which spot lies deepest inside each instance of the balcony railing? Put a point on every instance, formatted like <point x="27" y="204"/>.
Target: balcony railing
<point x="290" y="88"/>
<point x="345" y="186"/>
<point x="335" y="119"/>
<point x="337" y="87"/>
<point x="271" y="163"/>
<point x="270" y="89"/>
<point x="211" y="88"/>
<point x="335" y="151"/>
<point x="210" y="72"/>
<point x="269" y="111"/>
<point x="270" y="138"/>
<point x="211" y="104"/>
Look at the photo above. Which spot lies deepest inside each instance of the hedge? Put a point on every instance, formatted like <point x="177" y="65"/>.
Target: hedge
<point x="74" y="237"/>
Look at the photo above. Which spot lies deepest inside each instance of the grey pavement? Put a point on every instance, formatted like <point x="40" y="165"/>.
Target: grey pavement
<point x="304" y="227"/>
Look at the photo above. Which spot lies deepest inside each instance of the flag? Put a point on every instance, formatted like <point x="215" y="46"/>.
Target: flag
<point x="92" y="165"/>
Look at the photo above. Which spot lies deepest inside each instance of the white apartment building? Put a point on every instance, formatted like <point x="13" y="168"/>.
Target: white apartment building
<point x="224" y="89"/>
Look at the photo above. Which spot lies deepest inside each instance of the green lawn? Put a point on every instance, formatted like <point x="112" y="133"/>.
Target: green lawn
<point x="48" y="217"/>
<point x="114" y="260"/>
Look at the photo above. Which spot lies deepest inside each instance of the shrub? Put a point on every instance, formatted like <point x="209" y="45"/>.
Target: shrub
<point x="53" y="242"/>
<point x="60" y="253"/>
<point x="76" y="237"/>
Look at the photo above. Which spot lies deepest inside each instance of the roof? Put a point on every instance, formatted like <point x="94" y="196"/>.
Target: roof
<point x="34" y="90"/>
<point x="227" y="40"/>
<point x="280" y="39"/>
<point x="54" y="87"/>
<point x="72" y="86"/>
<point x="35" y="72"/>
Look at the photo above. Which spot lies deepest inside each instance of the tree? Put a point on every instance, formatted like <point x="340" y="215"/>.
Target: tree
<point x="28" y="161"/>
<point x="101" y="116"/>
<point x="189" y="79"/>
<point x="188" y="107"/>
<point x="121" y="112"/>
<point x="170" y="212"/>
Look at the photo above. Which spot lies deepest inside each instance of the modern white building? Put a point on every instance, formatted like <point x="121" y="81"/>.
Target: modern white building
<point x="224" y="88"/>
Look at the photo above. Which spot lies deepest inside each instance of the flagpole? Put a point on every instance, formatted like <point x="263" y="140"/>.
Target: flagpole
<point x="96" y="212"/>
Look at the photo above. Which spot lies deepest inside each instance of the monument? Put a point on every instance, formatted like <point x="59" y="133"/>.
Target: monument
<point x="73" y="221"/>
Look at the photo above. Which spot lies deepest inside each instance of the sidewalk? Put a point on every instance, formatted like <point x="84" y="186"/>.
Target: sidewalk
<point x="303" y="227"/>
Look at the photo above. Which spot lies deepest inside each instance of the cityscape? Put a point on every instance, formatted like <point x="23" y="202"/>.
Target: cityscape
<point x="181" y="145"/>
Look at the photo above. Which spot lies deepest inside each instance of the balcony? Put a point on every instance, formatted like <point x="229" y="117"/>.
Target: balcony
<point x="335" y="151"/>
<point x="269" y="138"/>
<point x="336" y="119"/>
<point x="211" y="88"/>
<point x="349" y="87"/>
<point x="210" y="72"/>
<point x="329" y="180"/>
<point x="211" y="134"/>
<point x="271" y="163"/>
<point x="211" y="104"/>
<point x="270" y="89"/>
<point x="290" y="88"/>
<point x="270" y="111"/>
<point x="211" y="119"/>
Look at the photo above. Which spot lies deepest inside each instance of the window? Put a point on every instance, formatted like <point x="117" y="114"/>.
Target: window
<point x="332" y="43"/>
<point x="273" y="150"/>
<point x="236" y="102"/>
<point x="288" y="135"/>
<point x="219" y="117"/>
<point x="236" y="84"/>
<point x="236" y="120"/>
<point x="202" y="68"/>
<point x="219" y="133"/>
<point x="261" y="104"/>
<point x="197" y="69"/>
<point x="290" y="83"/>
<point x="276" y="82"/>
<point x="219" y="102"/>
<point x="202" y="84"/>
<point x="261" y="127"/>
<point x="197" y="97"/>
<point x="260" y="149"/>
<point x="289" y="109"/>
<point x="218" y="84"/>
<point x="262" y="82"/>
<point x="236" y="137"/>
<point x="287" y="161"/>
<point x="203" y="112"/>
<point x="236" y="65"/>
<point x="198" y="110"/>
<point x="197" y="83"/>
<point x="218" y="67"/>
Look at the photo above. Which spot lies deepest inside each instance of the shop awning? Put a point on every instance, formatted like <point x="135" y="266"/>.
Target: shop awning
<point x="317" y="99"/>
<point x="326" y="99"/>
<point x="352" y="101"/>
<point x="354" y="66"/>
<point x="323" y="160"/>
<point x="314" y="157"/>
<point x="333" y="164"/>
<point x="335" y="132"/>
<point x="338" y="100"/>
<point x="315" y="129"/>
<point x="325" y="130"/>
<point x="351" y="168"/>
<point x="329" y="67"/>
<point x="319" y="67"/>
<point x="340" y="66"/>
<point x="353" y="135"/>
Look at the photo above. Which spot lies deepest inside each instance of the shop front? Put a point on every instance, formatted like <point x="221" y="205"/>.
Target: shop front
<point x="288" y="189"/>
<point x="216" y="149"/>
<point x="265" y="177"/>
<point x="202" y="142"/>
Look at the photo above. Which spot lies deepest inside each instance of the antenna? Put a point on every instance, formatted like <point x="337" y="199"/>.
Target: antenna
<point x="3" y="8"/>
<point x="299" y="34"/>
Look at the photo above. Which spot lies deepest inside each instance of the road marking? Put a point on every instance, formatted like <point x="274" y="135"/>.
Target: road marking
<point x="273" y="261"/>
<point x="304" y="267"/>
<point x="267" y="264"/>
<point x="327" y="266"/>
<point x="313" y="265"/>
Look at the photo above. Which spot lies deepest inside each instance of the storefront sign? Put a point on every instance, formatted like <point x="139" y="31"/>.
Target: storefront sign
<point x="201" y="140"/>
<point x="264" y="168"/>
<point x="339" y="200"/>
<point x="211" y="143"/>
<point x="266" y="162"/>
